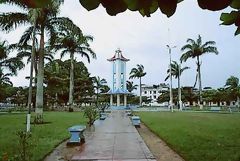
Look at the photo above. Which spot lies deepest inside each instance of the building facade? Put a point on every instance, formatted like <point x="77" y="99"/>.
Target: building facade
<point x="154" y="91"/>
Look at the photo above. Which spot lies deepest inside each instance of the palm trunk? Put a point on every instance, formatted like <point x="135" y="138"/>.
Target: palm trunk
<point x="179" y="94"/>
<point x="71" y="83"/>
<point x="200" y="81"/>
<point x="97" y="96"/>
<point x="40" y="75"/>
<point x="140" y="100"/>
<point x="31" y="78"/>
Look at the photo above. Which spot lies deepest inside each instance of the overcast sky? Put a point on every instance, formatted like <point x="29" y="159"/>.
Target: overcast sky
<point x="143" y="40"/>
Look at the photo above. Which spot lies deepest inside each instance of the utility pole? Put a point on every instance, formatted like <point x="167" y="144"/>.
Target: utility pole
<point x="170" y="63"/>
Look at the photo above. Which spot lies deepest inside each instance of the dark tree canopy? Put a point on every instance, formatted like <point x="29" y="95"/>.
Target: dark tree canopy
<point x="147" y="7"/>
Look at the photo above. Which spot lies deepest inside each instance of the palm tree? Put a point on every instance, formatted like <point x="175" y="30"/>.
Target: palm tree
<point x="138" y="73"/>
<point x="177" y="71"/>
<point x="99" y="85"/>
<point x="71" y="40"/>
<point x="195" y="49"/>
<point x="45" y="20"/>
<point x="12" y="64"/>
<point x="232" y="85"/>
<point x="130" y="86"/>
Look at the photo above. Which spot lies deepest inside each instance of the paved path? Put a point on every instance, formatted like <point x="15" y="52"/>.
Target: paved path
<point x="115" y="139"/>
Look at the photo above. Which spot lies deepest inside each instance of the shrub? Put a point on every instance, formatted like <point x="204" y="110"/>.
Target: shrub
<point x="91" y="114"/>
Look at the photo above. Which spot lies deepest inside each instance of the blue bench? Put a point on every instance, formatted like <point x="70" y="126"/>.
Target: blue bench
<point x="103" y="116"/>
<point x="215" y="109"/>
<point x="77" y="136"/>
<point x="129" y="113"/>
<point x="136" y="121"/>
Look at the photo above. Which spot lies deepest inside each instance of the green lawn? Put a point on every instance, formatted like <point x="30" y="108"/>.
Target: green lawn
<point x="45" y="137"/>
<point x="198" y="136"/>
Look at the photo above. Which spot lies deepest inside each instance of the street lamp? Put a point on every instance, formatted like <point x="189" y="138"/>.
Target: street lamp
<point x="170" y="62"/>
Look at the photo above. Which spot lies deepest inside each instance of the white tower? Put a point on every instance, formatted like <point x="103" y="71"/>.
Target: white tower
<point x="118" y="86"/>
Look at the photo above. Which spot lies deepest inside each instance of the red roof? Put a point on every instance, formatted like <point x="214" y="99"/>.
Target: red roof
<point x="118" y="55"/>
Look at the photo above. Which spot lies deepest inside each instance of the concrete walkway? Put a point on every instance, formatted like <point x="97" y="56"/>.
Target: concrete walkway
<point x="114" y="139"/>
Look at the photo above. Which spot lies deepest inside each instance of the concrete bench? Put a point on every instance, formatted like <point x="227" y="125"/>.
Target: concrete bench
<point x="103" y="116"/>
<point x="136" y="121"/>
<point x="215" y="109"/>
<point x="77" y="136"/>
<point x="129" y="113"/>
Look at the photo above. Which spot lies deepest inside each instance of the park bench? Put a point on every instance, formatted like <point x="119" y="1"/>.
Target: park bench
<point x="215" y="109"/>
<point x="103" y="116"/>
<point x="129" y="113"/>
<point x="136" y="121"/>
<point x="77" y="136"/>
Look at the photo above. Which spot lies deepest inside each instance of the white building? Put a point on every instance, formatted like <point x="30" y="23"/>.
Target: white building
<point x="154" y="91"/>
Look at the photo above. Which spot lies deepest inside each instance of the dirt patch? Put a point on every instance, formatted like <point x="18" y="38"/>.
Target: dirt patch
<point x="63" y="152"/>
<point x="158" y="147"/>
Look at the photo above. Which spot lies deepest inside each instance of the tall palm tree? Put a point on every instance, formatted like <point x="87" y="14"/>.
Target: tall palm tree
<point x="99" y="84"/>
<point x="138" y="73"/>
<point x="130" y="86"/>
<point x="71" y="40"/>
<point x="233" y="86"/>
<point x="46" y="20"/>
<point x="195" y="49"/>
<point x="177" y="71"/>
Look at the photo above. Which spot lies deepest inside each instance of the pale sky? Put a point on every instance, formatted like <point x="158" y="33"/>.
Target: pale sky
<point x="143" y="40"/>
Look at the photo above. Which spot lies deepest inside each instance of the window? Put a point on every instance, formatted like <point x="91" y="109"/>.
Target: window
<point x="155" y="97"/>
<point x="145" y="92"/>
<point x="150" y="92"/>
<point x="154" y="92"/>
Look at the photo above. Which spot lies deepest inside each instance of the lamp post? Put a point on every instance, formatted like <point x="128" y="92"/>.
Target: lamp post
<point x="170" y="58"/>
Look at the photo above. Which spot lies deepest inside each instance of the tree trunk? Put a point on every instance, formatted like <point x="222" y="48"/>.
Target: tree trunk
<point x="140" y="100"/>
<point x="200" y="81"/>
<point x="97" y="97"/>
<point x="56" y="99"/>
<point x="238" y="102"/>
<point x="71" y="83"/>
<point x="179" y="94"/>
<point x="29" y="104"/>
<point x="40" y="75"/>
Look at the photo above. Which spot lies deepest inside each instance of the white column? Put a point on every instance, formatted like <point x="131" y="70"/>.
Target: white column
<point x="118" y="74"/>
<point x="111" y="100"/>
<point x="118" y="100"/>
<point x="124" y="76"/>
<point x="125" y="100"/>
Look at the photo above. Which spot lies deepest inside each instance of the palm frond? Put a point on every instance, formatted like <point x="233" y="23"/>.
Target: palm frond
<point x="199" y="40"/>
<point x="185" y="56"/>
<point x="210" y="49"/>
<point x="10" y="21"/>
<point x="191" y="41"/>
<point x="208" y="43"/>
<point x="186" y="47"/>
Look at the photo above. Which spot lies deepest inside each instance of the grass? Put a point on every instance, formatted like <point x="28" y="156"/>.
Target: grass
<point x="45" y="137"/>
<point x="198" y="136"/>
